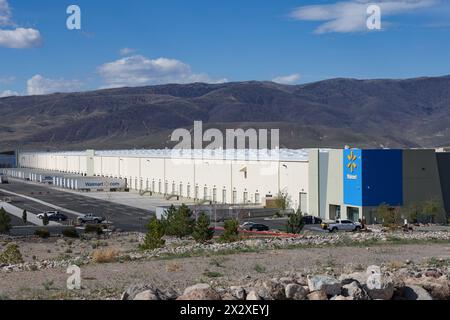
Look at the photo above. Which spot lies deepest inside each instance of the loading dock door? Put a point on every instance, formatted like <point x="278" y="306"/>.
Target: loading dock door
<point x="303" y="202"/>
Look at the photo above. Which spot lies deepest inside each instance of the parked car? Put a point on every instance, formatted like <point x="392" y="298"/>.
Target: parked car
<point x="49" y="214"/>
<point x="311" y="220"/>
<point x="246" y="225"/>
<point x="90" y="218"/>
<point x="57" y="217"/>
<point x="258" y="227"/>
<point x="342" y="225"/>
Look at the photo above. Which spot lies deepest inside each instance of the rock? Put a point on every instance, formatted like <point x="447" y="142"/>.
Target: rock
<point x="202" y="291"/>
<point x="380" y="287"/>
<point x="295" y="291"/>
<point x="329" y="285"/>
<point x="252" y="295"/>
<point x="373" y="270"/>
<point x="238" y="292"/>
<point x="287" y="280"/>
<point x="360" y="277"/>
<point x="317" y="295"/>
<point x="341" y="298"/>
<point x="412" y="292"/>
<point x="146" y="295"/>
<point x="433" y="273"/>
<point x="437" y="288"/>
<point x="355" y="291"/>
<point x="274" y="289"/>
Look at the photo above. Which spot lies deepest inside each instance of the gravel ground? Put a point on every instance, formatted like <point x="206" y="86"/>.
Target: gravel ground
<point x="108" y="281"/>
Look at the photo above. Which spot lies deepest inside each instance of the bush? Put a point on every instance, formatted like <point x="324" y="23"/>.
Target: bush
<point x="45" y="220"/>
<point x="179" y="222"/>
<point x="42" y="233"/>
<point x="70" y="232"/>
<point x="295" y="223"/>
<point x="231" y="232"/>
<point x="391" y="217"/>
<point x="202" y="231"/>
<point x="11" y="255"/>
<point x="93" y="228"/>
<point x="154" y="237"/>
<point x="105" y="256"/>
<point x="5" y="221"/>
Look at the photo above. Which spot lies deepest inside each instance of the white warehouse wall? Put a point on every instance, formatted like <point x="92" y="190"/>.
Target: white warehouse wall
<point x="224" y="180"/>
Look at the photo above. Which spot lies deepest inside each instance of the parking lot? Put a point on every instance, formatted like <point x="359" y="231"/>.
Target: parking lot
<point x="123" y="217"/>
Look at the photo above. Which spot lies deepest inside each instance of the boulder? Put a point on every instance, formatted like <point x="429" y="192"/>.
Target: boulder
<point x="413" y="292"/>
<point x="360" y="277"/>
<point x="433" y="273"/>
<point x="201" y="291"/>
<point x="296" y="292"/>
<point x="317" y="295"/>
<point x="339" y="297"/>
<point x="252" y="295"/>
<point x="355" y="291"/>
<point x="274" y="289"/>
<point x="437" y="288"/>
<point x="146" y="295"/>
<point x="329" y="285"/>
<point x="238" y="292"/>
<point x="380" y="286"/>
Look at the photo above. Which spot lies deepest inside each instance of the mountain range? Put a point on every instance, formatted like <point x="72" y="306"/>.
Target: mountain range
<point x="330" y="113"/>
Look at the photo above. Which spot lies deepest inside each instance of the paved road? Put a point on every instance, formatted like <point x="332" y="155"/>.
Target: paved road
<point x="123" y="217"/>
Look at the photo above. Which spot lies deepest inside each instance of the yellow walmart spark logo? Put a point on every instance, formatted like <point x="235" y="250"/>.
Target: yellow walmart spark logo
<point x="352" y="161"/>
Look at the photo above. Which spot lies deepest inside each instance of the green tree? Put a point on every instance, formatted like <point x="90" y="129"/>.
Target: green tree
<point x="231" y="231"/>
<point x="179" y="222"/>
<point x="45" y="220"/>
<point x="391" y="217"/>
<point x="295" y="223"/>
<point x="282" y="201"/>
<point x="412" y="212"/>
<point x="5" y="221"/>
<point x="154" y="237"/>
<point x="24" y="217"/>
<point x="202" y="231"/>
<point x="431" y="209"/>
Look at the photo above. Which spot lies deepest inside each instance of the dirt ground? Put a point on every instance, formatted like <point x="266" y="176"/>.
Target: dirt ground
<point x="109" y="280"/>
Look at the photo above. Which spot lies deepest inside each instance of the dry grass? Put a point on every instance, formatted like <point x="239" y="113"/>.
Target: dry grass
<point x="174" y="267"/>
<point x="105" y="255"/>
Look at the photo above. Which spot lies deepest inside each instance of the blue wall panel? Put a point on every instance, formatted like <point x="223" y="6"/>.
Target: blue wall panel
<point x="372" y="177"/>
<point x="353" y="177"/>
<point x="382" y="177"/>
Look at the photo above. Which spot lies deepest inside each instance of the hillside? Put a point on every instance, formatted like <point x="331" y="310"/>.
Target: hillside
<point x="331" y="113"/>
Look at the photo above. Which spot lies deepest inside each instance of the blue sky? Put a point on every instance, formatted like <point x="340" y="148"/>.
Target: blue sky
<point x="213" y="41"/>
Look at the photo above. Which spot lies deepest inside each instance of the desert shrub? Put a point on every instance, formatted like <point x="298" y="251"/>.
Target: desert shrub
<point x="70" y="232"/>
<point x="154" y="237"/>
<point x="391" y="217"/>
<point x="42" y="233"/>
<point x="178" y="222"/>
<point x="231" y="231"/>
<point x="5" y="221"/>
<point x="11" y="255"/>
<point x="105" y="255"/>
<point x="202" y="231"/>
<point x="93" y="228"/>
<point x="295" y="223"/>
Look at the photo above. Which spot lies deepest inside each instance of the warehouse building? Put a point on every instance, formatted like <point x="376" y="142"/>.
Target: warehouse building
<point x="329" y="183"/>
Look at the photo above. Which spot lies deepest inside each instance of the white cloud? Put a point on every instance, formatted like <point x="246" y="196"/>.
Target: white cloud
<point x="138" y="70"/>
<point x="38" y="85"/>
<point x="20" y="38"/>
<point x="289" y="79"/>
<point x="126" y="51"/>
<point x="5" y="13"/>
<point x="351" y="16"/>
<point x="17" y="38"/>
<point x="8" y="93"/>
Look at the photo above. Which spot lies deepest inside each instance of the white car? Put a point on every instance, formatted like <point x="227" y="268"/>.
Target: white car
<point x="342" y="225"/>
<point x="49" y="213"/>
